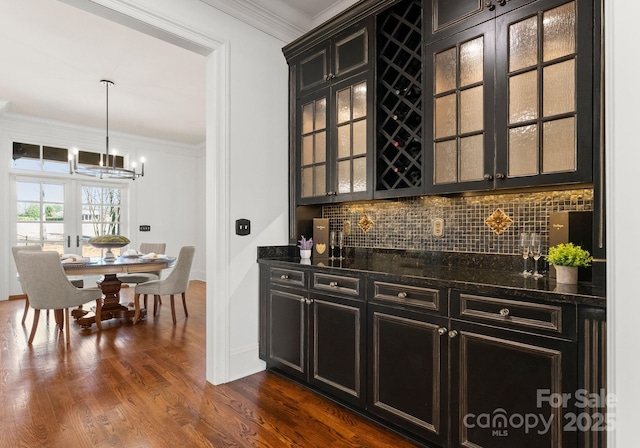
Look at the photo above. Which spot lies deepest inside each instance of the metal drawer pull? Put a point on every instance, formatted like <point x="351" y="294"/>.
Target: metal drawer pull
<point x="284" y="277"/>
<point x="453" y="334"/>
<point x="333" y="284"/>
<point x="442" y="331"/>
<point x="504" y="312"/>
<point x="402" y="295"/>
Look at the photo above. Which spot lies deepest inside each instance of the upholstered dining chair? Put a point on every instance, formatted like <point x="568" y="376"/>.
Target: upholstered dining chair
<point x="78" y="283"/>
<point x="48" y="288"/>
<point x="176" y="282"/>
<point x="141" y="277"/>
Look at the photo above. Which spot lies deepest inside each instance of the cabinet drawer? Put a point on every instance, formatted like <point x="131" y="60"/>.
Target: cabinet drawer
<point x="397" y="293"/>
<point x="285" y="276"/>
<point x="337" y="284"/>
<point x="557" y="319"/>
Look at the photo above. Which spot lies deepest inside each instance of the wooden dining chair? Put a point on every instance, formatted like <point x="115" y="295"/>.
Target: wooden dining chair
<point x="48" y="288"/>
<point x="78" y="283"/>
<point x="176" y="282"/>
<point x="141" y="277"/>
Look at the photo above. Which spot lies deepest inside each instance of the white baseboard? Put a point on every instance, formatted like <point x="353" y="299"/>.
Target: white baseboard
<point x="244" y="362"/>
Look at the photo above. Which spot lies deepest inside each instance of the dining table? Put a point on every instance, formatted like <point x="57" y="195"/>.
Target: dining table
<point x="110" y="284"/>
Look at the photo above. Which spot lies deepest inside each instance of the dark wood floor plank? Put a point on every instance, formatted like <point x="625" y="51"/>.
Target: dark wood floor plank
<point x="144" y="385"/>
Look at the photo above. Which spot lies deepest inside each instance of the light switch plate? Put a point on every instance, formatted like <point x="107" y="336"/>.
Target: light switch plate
<point x="437" y="224"/>
<point x="243" y="227"/>
<point x="145" y="228"/>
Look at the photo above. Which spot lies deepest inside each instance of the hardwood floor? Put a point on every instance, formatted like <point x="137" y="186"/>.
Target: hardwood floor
<point x="144" y="386"/>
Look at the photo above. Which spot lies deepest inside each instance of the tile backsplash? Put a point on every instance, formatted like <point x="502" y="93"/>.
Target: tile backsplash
<point x="408" y="223"/>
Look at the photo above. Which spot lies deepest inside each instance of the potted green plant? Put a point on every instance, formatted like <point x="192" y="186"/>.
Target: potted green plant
<point x="567" y="258"/>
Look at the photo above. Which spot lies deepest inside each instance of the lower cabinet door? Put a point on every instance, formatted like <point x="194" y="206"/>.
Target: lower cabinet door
<point x="408" y="371"/>
<point x="508" y="389"/>
<point x="287" y="327"/>
<point x="337" y="347"/>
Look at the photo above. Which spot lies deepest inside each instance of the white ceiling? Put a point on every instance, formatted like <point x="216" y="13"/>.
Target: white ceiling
<point x="53" y="56"/>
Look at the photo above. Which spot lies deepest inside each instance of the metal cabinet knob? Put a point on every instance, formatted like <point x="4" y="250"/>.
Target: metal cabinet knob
<point x="453" y="334"/>
<point x="330" y="76"/>
<point x="284" y="277"/>
<point x="500" y="176"/>
<point x="402" y="295"/>
<point x="502" y="2"/>
<point x="442" y="331"/>
<point x="490" y="6"/>
<point x="504" y="312"/>
<point x="488" y="177"/>
<point x="333" y="284"/>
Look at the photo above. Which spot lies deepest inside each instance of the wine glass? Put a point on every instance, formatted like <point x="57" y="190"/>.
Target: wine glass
<point x="525" y="246"/>
<point x="340" y="244"/>
<point x="332" y="244"/>
<point x="536" y="252"/>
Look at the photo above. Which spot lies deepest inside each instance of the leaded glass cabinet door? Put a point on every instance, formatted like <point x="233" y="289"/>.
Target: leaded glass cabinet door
<point x="544" y="75"/>
<point x="312" y="144"/>
<point x="459" y="111"/>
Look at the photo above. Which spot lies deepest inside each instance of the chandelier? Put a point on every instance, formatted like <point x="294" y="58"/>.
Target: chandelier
<point x="107" y="167"/>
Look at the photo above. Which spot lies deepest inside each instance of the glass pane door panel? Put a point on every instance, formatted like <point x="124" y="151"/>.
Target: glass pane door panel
<point x="344" y="176"/>
<point x="445" y="162"/>
<point x="523" y="44"/>
<point x="343" y="104"/>
<point x="320" y="149"/>
<point x="344" y="141"/>
<point x="320" y="121"/>
<point x="445" y="116"/>
<point x="559" y="145"/>
<point x="359" y="100"/>
<point x="559" y="82"/>
<point x="307" y="118"/>
<point x="471" y="110"/>
<point x="307" y="182"/>
<point x="320" y="181"/>
<point x="360" y="174"/>
<point x="559" y="32"/>
<point x="445" y="71"/>
<point x="40" y="213"/>
<point x="523" y="97"/>
<point x="471" y="158"/>
<point x="29" y="232"/>
<point x="523" y="151"/>
<point x="471" y="61"/>
<point x="360" y="137"/>
<point x="307" y="150"/>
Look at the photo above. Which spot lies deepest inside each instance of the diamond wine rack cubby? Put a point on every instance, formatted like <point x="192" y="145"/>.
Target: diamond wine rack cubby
<point x="399" y="98"/>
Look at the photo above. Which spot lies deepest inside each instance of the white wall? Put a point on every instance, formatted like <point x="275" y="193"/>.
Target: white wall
<point x="166" y="198"/>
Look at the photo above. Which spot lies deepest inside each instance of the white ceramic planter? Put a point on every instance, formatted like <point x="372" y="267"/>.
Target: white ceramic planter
<point x="567" y="275"/>
<point x="305" y="253"/>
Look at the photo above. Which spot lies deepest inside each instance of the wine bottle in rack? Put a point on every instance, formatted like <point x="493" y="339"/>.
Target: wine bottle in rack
<point x="399" y="142"/>
<point x="410" y="92"/>
<point x="399" y="168"/>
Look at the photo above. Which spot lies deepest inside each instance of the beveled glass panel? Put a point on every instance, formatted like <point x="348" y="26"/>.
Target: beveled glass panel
<point x="307" y="118"/>
<point x="559" y="95"/>
<point x="471" y="110"/>
<point x="445" y="162"/>
<point x="471" y="61"/>
<point x="320" y="147"/>
<point x="343" y="105"/>
<point x="359" y="100"/>
<point x="523" y="44"/>
<point x="523" y="97"/>
<point x="359" y="137"/>
<point x="523" y="151"/>
<point x="344" y="141"/>
<point x="446" y="63"/>
<point x="445" y="112"/>
<point x="307" y="150"/>
<point x="344" y="176"/>
<point x="321" y="114"/>
<point x="559" y="145"/>
<point x="320" y="183"/>
<point x="360" y="174"/>
<point x="307" y="182"/>
<point x="471" y="158"/>
<point x="559" y="32"/>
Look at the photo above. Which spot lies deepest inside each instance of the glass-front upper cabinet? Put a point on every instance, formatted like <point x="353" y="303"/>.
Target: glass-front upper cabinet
<point x="510" y="101"/>
<point x="334" y="159"/>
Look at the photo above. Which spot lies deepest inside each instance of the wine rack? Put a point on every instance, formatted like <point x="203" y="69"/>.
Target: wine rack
<point x="399" y="98"/>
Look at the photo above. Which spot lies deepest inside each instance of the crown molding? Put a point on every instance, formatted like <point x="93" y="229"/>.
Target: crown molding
<point x="289" y="24"/>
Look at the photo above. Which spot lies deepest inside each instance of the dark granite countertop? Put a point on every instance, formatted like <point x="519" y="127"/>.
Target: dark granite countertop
<point x="481" y="273"/>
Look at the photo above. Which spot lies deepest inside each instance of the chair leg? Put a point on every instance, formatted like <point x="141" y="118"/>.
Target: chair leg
<point x="136" y="305"/>
<point x="59" y="315"/>
<point x="36" y="317"/>
<point x="145" y="303"/>
<point x="184" y="304"/>
<point x="99" y="313"/>
<point x="66" y="318"/>
<point x="156" y="299"/>
<point x="173" y="309"/>
<point x="26" y="308"/>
